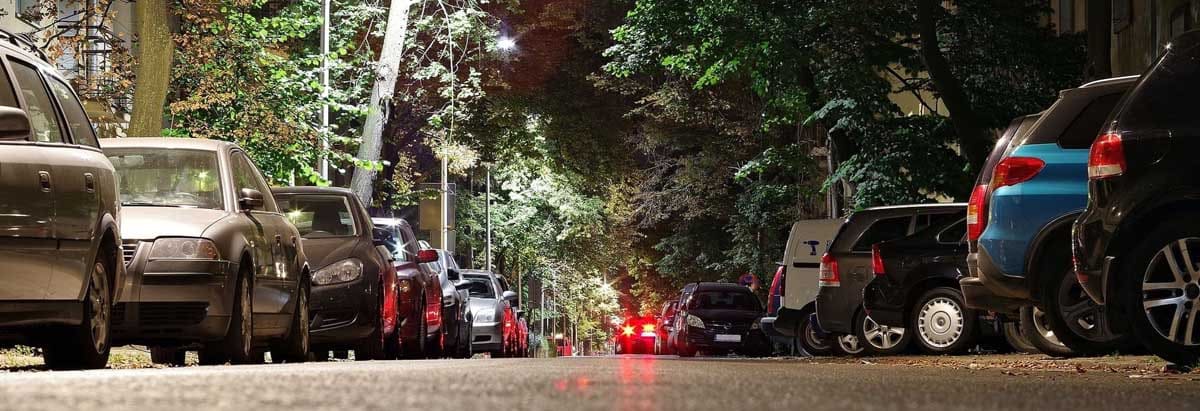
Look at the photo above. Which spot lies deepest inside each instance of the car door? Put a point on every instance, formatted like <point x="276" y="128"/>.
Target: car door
<point x="27" y="247"/>
<point x="276" y="276"/>
<point x="85" y="183"/>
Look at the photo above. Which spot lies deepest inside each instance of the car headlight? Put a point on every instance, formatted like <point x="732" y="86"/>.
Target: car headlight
<point x="184" y="249"/>
<point x="694" y="321"/>
<point x="486" y="316"/>
<point x="339" y="272"/>
<point x="754" y="325"/>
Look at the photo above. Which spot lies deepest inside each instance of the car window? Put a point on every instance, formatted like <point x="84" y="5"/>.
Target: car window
<point x="883" y="230"/>
<point x="245" y="175"/>
<point x="928" y="220"/>
<point x="41" y="112"/>
<point x="480" y="287"/>
<point x="954" y="234"/>
<point x="77" y="120"/>
<point x="1083" y="130"/>
<point x="398" y="246"/>
<point x="8" y="97"/>
<point x="158" y="177"/>
<point x="319" y="216"/>
<point x="724" y="300"/>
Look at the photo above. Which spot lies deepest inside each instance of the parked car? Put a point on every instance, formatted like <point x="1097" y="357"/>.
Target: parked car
<point x="488" y="305"/>
<point x="666" y="321"/>
<point x="1135" y="242"/>
<point x="774" y="301"/>
<point x="720" y="318"/>
<point x="916" y="288"/>
<point x="212" y="262"/>
<point x="419" y="291"/>
<point x="354" y="297"/>
<point x="807" y="242"/>
<point x="455" y="312"/>
<point x="1019" y="226"/>
<point x="636" y="335"/>
<point x="522" y="335"/>
<point x="60" y="215"/>
<point x="512" y="332"/>
<point x="846" y="270"/>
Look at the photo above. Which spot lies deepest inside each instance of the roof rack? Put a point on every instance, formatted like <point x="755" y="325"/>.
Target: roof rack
<point x="24" y="42"/>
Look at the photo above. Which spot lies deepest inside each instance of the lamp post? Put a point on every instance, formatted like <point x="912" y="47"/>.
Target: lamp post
<point x="323" y="167"/>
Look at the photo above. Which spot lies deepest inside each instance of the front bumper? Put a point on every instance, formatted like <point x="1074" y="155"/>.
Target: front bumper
<point x="178" y="301"/>
<point x="344" y="313"/>
<point x="488" y="336"/>
<point x="987" y="288"/>
<point x="637" y="344"/>
<point x="706" y="338"/>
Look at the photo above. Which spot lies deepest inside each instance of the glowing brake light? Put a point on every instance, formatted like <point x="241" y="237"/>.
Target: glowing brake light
<point x="627" y="330"/>
<point x="828" y="276"/>
<point x="1107" y="157"/>
<point x="977" y="212"/>
<point x="876" y="261"/>
<point x="1015" y="170"/>
<point x="648" y="328"/>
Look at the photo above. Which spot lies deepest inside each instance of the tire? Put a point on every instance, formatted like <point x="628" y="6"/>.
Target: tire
<point x="1017" y="339"/>
<point x="941" y="323"/>
<point x="1154" y="274"/>
<point x="172" y="356"/>
<point x="812" y="343"/>
<point x="415" y="347"/>
<point x="295" y="347"/>
<point x="1035" y="328"/>
<point x="238" y="344"/>
<point x="464" y="345"/>
<point x="880" y="339"/>
<point x="87" y="345"/>
<point x="1077" y="321"/>
<point x="374" y="347"/>
<point x="212" y="356"/>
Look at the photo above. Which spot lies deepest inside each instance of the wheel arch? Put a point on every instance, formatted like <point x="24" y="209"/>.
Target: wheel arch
<point x="921" y="287"/>
<point x="1056" y="233"/>
<point x="1124" y="236"/>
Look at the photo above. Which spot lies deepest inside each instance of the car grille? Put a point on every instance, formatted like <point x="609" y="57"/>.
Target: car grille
<point x="726" y="327"/>
<point x="128" y="250"/>
<point x="163" y="316"/>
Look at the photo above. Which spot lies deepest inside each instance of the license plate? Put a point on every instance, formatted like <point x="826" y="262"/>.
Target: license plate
<point x="728" y="338"/>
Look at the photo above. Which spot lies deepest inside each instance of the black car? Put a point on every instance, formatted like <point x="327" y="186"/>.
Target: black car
<point x="354" y="299"/>
<point x="846" y="270"/>
<point x="1133" y="244"/>
<point x="719" y="318"/>
<point x="916" y="288"/>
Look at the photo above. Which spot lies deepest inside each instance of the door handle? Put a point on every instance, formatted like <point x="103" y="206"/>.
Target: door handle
<point x="89" y="182"/>
<point x="279" y="240"/>
<point x="44" y="179"/>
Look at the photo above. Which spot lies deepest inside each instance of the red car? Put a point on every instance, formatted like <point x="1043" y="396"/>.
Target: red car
<point x="636" y="336"/>
<point x="419" y="292"/>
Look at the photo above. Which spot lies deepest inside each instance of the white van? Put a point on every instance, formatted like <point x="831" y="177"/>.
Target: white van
<point x="807" y="242"/>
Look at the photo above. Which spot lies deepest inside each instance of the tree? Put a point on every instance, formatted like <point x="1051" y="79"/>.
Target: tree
<point x="156" y="53"/>
<point x="972" y="134"/>
<point x="394" y="42"/>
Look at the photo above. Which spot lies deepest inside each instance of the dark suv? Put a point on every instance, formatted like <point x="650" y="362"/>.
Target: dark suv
<point x="846" y="270"/>
<point x="59" y="214"/>
<point x="1137" y="243"/>
<point x="1019" y="225"/>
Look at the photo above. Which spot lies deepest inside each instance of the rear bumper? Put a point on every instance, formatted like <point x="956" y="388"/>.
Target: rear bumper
<point x="343" y="313"/>
<point x="637" y="345"/>
<point x="989" y="289"/>
<point x="767" y="325"/>
<point x="1089" y="245"/>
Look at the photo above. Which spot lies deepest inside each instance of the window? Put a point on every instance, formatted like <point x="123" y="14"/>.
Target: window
<point x="724" y="300"/>
<point x="954" y="234"/>
<point x="319" y="216"/>
<point x="8" y="97"/>
<point x="41" y="112"/>
<point x="926" y="220"/>
<point x="1086" y="126"/>
<point x="245" y="175"/>
<point x="882" y="230"/>
<point x="480" y="287"/>
<point x="77" y="120"/>
<point x="153" y="177"/>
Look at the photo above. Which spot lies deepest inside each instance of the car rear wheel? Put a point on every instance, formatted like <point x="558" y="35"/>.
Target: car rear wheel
<point x="879" y="339"/>
<point x="1037" y="330"/>
<point x="811" y="341"/>
<point x="86" y="346"/>
<point x="1017" y="339"/>
<point x="942" y="322"/>
<point x="1159" y="290"/>
<point x="1077" y="321"/>
<point x="295" y="347"/>
<point x="848" y="344"/>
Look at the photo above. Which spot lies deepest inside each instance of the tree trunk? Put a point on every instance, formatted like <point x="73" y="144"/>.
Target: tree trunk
<point x="972" y="136"/>
<point x="156" y="52"/>
<point x="1099" y="39"/>
<point x="394" y="43"/>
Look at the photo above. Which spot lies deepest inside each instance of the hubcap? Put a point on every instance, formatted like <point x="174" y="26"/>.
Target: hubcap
<point x="849" y="344"/>
<point x="1171" y="293"/>
<point x="247" y="320"/>
<point x="881" y="336"/>
<point x="304" y="321"/>
<point x="100" y="311"/>
<point x="940" y="323"/>
<point x="1039" y="323"/>
<point x="1083" y="316"/>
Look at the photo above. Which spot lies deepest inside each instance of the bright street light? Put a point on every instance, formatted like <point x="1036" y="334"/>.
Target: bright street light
<point x="505" y="43"/>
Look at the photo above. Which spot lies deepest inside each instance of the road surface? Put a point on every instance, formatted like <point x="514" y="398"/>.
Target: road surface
<point x="601" y="383"/>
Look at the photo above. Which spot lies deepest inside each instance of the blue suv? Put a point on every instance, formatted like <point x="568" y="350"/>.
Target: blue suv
<point x="1019" y="225"/>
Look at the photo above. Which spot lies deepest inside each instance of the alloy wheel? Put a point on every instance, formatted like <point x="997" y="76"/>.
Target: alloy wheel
<point x="1171" y="293"/>
<point x="940" y="323"/>
<point x="881" y="336"/>
<point x="849" y="344"/>
<point x="1039" y="323"/>
<point x="97" y="295"/>
<point x="1083" y="316"/>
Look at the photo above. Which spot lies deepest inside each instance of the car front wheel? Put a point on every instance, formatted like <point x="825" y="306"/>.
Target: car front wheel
<point x="1159" y="289"/>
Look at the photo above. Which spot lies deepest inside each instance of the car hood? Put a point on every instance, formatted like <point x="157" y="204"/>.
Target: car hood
<point x="324" y="251"/>
<point x="727" y="315"/>
<point x="148" y="223"/>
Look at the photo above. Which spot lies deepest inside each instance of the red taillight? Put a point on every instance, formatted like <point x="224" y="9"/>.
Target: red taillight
<point x="977" y="212"/>
<point x="627" y="330"/>
<point x="1015" y="170"/>
<point x="1107" y="157"/>
<point x="876" y="261"/>
<point x="829" y="272"/>
<point x="648" y="328"/>
<point x="776" y="291"/>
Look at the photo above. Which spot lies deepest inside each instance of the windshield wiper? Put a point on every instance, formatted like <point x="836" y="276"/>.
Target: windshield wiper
<point x="149" y="204"/>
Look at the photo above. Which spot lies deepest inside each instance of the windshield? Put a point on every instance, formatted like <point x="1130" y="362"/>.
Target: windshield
<point x="724" y="300"/>
<point x="317" y="216"/>
<point x="167" y="177"/>
<point x="480" y="287"/>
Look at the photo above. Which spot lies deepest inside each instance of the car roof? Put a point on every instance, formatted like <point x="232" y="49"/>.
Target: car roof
<point x="930" y="206"/>
<point x="313" y="190"/>
<point x="478" y="273"/>
<point x="167" y="142"/>
<point x="712" y="286"/>
<point x="23" y="46"/>
<point x="1109" y="81"/>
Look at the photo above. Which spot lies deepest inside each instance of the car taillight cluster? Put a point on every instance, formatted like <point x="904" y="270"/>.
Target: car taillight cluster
<point x="776" y="291"/>
<point x="977" y="212"/>
<point x="1015" y="170"/>
<point x="877" y="261"/>
<point x="829" y="276"/>
<point x="1107" y="157"/>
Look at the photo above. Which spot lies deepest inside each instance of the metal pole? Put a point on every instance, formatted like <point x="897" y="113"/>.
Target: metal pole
<point x="487" y="207"/>
<point x="323" y="167"/>
<point x="445" y="204"/>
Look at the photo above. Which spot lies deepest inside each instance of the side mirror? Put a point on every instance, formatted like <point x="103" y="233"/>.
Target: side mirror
<point x="508" y="296"/>
<point x="14" y="124"/>
<point x="250" y="199"/>
<point x="453" y="275"/>
<point x="427" y="256"/>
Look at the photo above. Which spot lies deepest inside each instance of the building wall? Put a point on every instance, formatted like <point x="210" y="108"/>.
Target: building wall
<point x="1142" y="27"/>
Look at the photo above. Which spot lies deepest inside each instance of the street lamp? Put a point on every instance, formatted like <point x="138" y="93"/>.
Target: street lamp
<point x="506" y="44"/>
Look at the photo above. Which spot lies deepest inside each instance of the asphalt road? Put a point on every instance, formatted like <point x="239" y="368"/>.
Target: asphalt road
<point x="604" y="383"/>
